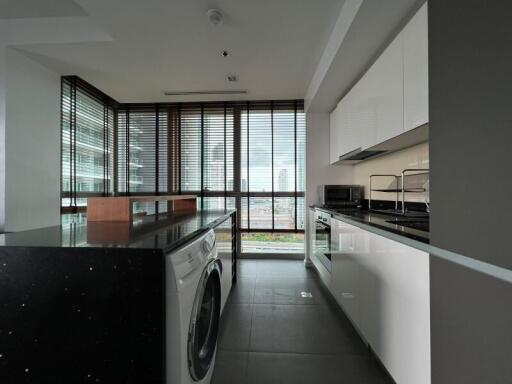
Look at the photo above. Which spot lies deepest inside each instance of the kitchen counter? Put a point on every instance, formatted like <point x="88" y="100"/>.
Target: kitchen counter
<point x="155" y="232"/>
<point x="85" y="302"/>
<point x="379" y="221"/>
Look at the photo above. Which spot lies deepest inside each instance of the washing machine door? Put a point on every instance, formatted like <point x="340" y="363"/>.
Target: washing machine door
<point x="204" y="322"/>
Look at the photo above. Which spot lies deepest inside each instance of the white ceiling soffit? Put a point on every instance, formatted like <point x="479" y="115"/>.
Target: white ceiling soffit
<point x="364" y="28"/>
<point x="52" y="30"/>
<point x="18" y="9"/>
<point x="170" y="45"/>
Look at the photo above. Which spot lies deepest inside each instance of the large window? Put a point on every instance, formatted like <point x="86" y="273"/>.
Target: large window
<point x="272" y="166"/>
<point x="244" y="155"/>
<point x="87" y="120"/>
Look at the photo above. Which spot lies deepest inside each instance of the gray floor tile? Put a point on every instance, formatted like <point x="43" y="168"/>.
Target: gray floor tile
<point x="290" y="291"/>
<point x="235" y="327"/>
<point x="288" y="340"/>
<point x="270" y="368"/>
<point x="230" y="368"/>
<point x="271" y="268"/>
<point x="302" y="329"/>
<point x="242" y="292"/>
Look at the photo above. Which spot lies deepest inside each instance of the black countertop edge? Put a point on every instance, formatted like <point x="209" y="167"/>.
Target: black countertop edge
<point x="378" y="220"/>
<point x="184" y="240"/>
<point x="156" y="233"/>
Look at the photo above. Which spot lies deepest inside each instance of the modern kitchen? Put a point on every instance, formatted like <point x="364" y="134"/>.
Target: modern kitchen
<point x="255" y="192"/>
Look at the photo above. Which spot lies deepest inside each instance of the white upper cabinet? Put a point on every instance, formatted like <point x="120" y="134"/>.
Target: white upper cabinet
<point x="415" y="36"/>
<point x="388" y="85"/>
<point x="334" y="135"/>
<point x="391" y="97"/>
<point x="362" y="113"/>
<point x="344" y="135"/>
<point x="336" y="122"/>
<point x="352" y="123"/>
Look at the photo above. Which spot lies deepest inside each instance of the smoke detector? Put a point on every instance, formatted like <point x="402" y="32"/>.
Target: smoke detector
<point x="215" y="16"/>
<point x="232" y="78"/>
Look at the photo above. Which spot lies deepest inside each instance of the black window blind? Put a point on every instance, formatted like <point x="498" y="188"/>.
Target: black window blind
<point x="87" y="143"/>
<point x="244" y="155"/>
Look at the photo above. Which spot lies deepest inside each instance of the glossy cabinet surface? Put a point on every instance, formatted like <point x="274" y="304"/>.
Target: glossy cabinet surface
<point x="348" y="245"/>
<point x="383" y="286"/>
<point x="390" y="98"/>
<point x="335" y="135"/>
<point x="415" y="42"/>
<point x="388" y="92"/>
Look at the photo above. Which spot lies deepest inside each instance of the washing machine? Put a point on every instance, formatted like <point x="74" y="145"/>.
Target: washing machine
<point x="193" y="306"/>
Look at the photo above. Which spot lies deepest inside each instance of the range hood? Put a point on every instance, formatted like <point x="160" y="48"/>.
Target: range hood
<point x="407" y="139"/>
<point x="359" y="155"/>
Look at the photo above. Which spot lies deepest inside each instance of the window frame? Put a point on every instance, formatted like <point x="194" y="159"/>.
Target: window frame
<point x="174" y="113"/>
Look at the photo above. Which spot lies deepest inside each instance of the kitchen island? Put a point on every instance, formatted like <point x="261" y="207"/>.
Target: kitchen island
<point x="84" y="302"/>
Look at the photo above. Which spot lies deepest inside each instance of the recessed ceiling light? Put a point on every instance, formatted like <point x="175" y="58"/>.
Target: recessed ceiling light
<point x="206" y="92"/>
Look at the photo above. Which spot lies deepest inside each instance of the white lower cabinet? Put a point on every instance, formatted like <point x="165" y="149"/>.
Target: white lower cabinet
<point x="383" y="286"/>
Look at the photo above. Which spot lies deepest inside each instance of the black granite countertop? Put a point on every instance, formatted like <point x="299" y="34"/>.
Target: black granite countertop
<point x="86" y="302"/>
<point x="160" y="232"/>
<point x="381" y="221"/>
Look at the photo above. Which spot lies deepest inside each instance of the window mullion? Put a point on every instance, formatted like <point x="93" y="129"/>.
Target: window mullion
<point x="248" y="173"/>
<point x="295" y="158"/>
<point x="202" y="156"/>
<point x="272" y="162"/>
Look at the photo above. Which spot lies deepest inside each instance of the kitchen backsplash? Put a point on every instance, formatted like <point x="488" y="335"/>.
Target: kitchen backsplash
<point x="393" y="163"/>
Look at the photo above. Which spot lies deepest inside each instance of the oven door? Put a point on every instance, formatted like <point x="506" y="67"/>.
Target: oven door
<point x="323" y="243"/>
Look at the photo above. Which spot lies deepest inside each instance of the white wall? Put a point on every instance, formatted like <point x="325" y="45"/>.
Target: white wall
<point x="32" y="152"/>
<point x="415" y="157"/>
<point x="318" y="169"/>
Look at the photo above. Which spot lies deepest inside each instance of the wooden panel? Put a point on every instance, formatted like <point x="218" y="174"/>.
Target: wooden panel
<point x="120" y="208"/>
<point x="179" y="206"/>
<point x="109" y="209"/>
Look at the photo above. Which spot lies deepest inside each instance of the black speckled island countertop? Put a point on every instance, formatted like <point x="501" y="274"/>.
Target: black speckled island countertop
<point x="84" y="302"/>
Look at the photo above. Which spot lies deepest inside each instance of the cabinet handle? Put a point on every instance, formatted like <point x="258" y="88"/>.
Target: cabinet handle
<point x="347" y="295"/>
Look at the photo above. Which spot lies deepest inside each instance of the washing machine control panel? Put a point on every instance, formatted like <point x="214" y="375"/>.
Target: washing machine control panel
<point x="193" y="257"/>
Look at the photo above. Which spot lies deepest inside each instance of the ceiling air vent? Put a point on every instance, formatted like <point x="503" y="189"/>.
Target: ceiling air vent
<point x="217" y="92"/>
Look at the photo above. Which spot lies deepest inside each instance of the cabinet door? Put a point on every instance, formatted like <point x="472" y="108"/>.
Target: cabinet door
<point x="415" y="36"/>
<point x="335" y="128"/>
<point x="387" y="82"/>
<point x="362" y="113"/>
<point x="395" y="309"/>
<point x="347" y="244"/>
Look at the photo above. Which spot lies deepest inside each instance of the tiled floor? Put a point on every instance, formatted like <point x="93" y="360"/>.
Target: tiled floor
<point x="270" y="333"/>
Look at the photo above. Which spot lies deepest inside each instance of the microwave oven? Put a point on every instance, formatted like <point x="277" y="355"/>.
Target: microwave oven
<point x="341" y="196"/>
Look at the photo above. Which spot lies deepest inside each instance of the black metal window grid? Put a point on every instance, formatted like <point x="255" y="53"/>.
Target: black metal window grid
<point x="244" y="155"/>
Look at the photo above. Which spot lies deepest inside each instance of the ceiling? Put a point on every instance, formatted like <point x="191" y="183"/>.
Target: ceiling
<point x="170" y="45"/>
<point x="20" y="9"/>
<point x="374" y="26"/>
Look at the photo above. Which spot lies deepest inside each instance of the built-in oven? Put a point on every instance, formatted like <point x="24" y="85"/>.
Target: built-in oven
<point x="323" y="238"/>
